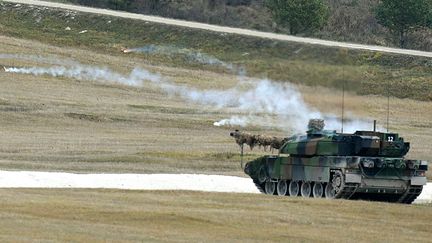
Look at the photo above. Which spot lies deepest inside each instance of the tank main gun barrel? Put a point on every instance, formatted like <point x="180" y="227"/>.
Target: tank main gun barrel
<point x="253" y="140"/>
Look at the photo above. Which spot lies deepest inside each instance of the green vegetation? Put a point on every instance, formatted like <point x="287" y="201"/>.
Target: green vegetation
<point x="365" y="72"/>
<point x="299" y="15"/>
<point x="403" y="17"/>
<point x="349" y="20"/>
<point x="172" y="216"/>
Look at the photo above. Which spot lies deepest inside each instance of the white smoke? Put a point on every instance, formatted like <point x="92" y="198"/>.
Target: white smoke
<point x="81" y="72"/>
<point x="258" y="103"/>
<point x="351" y="124"/>
<point x="265" y="102"/>
<point x="233" y="121"/>
<point x="190" y="55"/>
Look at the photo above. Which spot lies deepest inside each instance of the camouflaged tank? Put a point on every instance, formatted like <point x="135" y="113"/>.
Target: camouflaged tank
<point x="366" y="165"/>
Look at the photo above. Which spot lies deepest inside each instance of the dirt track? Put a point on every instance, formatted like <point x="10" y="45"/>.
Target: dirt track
<point x="222" y="28"/>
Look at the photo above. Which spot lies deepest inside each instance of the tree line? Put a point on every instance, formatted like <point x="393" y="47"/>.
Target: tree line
<point x="401" y="17"/>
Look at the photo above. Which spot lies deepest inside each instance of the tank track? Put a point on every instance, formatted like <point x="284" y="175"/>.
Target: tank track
<point x="410" y="194"/>
<point x="347" y="191"/>
<point x="259" y="186"/>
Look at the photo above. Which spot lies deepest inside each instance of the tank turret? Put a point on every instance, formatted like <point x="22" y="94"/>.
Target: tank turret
<point x="361" y="143"/>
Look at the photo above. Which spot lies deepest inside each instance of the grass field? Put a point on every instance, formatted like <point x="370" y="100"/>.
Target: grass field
<point x="65" y="124"/>
<point x="131" y="216"/>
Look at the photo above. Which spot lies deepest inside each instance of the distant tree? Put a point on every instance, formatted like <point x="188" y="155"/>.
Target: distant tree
<point x="154" y="4"/>
<point x="238" y="2"/>
<point x="404" y="16"/>
<point x="299" y="15"/>
<point x="119" y="4"/>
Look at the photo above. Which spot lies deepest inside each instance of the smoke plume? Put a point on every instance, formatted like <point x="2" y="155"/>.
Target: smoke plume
<point x="259" y="103"/>
<point x="190" y="55"/>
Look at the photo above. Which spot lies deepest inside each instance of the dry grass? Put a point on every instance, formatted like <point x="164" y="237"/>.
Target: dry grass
<point x="121" y="216"/>
<point x="68" y="125"/>
<point x="64" y="124"/>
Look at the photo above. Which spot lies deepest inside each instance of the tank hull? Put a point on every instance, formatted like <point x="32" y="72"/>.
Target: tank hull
<point x="346" y="177"/>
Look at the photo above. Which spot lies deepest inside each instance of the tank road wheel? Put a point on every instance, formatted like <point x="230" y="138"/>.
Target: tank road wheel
<point x="306" y="189"/>
<point x="262" y="175"/>
<point x="293" y="188"/>
<point x="317" y="190"/>
<point x="335" y="186"/>
<point x="329" y="192"/>
<point x="338" y="182"/>
<point x="270" y="187"/>
<point x="282" y="188"/>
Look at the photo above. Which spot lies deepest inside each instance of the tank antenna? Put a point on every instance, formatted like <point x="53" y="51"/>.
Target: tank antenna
<point x="388" y="105"/>
<point x="345" y="61"/>
<point x="343" y="106"/>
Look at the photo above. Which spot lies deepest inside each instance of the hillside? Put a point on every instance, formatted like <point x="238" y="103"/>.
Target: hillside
<point x="91" y="108"/>
<point x="350" y="20"/>
<point x="363" y="72"/>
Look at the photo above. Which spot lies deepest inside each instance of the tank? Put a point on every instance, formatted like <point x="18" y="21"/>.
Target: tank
<point x="367" y="165"/>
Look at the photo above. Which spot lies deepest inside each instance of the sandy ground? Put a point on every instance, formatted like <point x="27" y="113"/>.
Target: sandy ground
<point x="222" y="29"/>
<point x="191" y="182"/>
